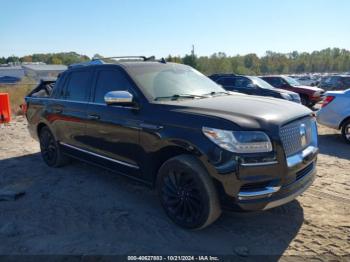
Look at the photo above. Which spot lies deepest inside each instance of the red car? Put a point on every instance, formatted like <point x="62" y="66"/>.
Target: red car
<point x="309" y="95"/>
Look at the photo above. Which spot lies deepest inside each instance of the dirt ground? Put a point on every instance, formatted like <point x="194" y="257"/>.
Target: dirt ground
<point x="81" y="209"/>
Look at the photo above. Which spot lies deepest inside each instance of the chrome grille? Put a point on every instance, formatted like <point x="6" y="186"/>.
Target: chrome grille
<point x="291" y="135"/>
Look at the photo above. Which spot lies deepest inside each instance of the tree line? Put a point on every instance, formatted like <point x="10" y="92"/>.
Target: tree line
<point x="326" y="60"/>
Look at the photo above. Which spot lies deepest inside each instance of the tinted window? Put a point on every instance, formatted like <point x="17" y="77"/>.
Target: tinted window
<point x="227" y="81"/>
<point x="243" y="82"/>
<point x="346" y="81"/>
<point x="78" y="85"/>
<point x="110" y="80"/>
<point x="275" y="81"/>
<point x="57" y="91"/>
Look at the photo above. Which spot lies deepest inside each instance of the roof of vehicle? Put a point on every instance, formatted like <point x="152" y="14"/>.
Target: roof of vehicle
<point x="125" y="60"/>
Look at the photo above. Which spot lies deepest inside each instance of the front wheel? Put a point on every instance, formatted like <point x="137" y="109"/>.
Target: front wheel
<point x="346" y="131"/>
<point x="187" y="193"/>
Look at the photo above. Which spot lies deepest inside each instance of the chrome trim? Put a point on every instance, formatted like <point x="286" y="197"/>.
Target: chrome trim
<point x="291" y="197"/>
<point x="259" y="164"/>
<point x="104" y="157"/>
<point x="299" y="157"/>
<point x="80" y="102"/>
<point x="118" y="97"/>
<point x="266" y="192"/>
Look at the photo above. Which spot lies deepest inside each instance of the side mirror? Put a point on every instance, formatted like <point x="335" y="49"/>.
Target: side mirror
<point x="123" y="98"/>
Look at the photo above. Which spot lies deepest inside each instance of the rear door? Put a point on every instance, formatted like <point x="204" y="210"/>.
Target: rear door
<point x="113" y="131"/>
<point x="67" y="111"/>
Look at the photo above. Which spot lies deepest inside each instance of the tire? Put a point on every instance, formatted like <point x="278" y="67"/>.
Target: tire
<point x="50" y="150"/>
<point x="345" y="131"/>
<point x="187" y="193"/>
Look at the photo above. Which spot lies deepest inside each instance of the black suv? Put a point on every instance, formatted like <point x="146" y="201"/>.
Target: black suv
<point x="171" y="127"/>
<point x="253" y="85"/>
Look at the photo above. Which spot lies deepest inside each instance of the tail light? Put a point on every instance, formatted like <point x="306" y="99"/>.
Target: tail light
<point x="327" y="100"/>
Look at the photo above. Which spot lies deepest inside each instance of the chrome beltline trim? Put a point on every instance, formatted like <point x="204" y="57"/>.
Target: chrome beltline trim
<point x="260" y="163"/>
<point x="100" y="156"/>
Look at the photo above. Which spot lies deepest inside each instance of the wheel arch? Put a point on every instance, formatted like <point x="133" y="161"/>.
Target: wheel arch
<point x="39" y="127"/>
<point x="168" y="152"/>
<point x="343" y="122"/>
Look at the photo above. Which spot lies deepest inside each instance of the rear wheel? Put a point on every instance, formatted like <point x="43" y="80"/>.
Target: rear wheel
<point x="346" y="131"/>
<point x="187" y="193"/>
<point x="50" y="150"/>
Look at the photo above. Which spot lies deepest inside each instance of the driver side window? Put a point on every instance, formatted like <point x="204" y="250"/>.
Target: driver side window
<point x="110" y="80"/>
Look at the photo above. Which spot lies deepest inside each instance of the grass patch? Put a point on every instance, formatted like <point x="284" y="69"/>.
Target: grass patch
<point x="17" y="93"/>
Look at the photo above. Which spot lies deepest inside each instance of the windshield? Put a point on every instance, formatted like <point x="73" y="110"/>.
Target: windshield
<point x="291" y="81"/>
<point x="167" y="80"/>
<point x="261" y="83"/>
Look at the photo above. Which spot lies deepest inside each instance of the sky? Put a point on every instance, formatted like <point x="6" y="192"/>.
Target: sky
<point x="163" y="27"/>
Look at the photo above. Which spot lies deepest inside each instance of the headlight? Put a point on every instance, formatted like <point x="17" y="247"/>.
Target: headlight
<point x="239" y="141"/>
<point x="286" y="96"/>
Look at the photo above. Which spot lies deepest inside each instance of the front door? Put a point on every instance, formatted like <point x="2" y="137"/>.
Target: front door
<point x="112" y="132"/>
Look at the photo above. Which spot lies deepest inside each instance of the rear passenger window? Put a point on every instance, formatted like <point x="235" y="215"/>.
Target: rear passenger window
<point x="78" y="85"/>
<point x="275" y="81"/>
<point x="110" y="80"/>
<point x="243" y="83"/>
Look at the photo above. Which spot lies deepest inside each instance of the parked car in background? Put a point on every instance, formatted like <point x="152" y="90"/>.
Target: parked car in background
<point x="253" y="85"/>
<point x="309" y="95"/>
<point x="335" y="112"/>
<point x="333" y="83"/>
<point x="173" y="128"/>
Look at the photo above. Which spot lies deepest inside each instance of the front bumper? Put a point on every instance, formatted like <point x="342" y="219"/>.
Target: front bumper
<point x="298" y="175"/>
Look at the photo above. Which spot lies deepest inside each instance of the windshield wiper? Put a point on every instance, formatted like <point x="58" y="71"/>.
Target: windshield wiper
<point x="216" y="93"/>
<point x="176" y="97"/>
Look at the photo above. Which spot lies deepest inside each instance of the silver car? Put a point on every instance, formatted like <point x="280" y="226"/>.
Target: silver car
<point x="335" y="112"/>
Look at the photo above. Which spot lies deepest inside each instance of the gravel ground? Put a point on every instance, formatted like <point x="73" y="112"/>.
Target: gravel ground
<point x="81" y="209"/>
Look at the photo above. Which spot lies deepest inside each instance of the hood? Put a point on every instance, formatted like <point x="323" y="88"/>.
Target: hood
<point x="253" y="112"/>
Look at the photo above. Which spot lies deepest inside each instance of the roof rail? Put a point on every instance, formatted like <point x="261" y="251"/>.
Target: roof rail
<point x="144" y="58"/>
<point x="105" y="60"/>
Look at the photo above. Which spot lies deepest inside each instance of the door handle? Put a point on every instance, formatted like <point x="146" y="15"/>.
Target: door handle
<point x="93" y="117"/>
